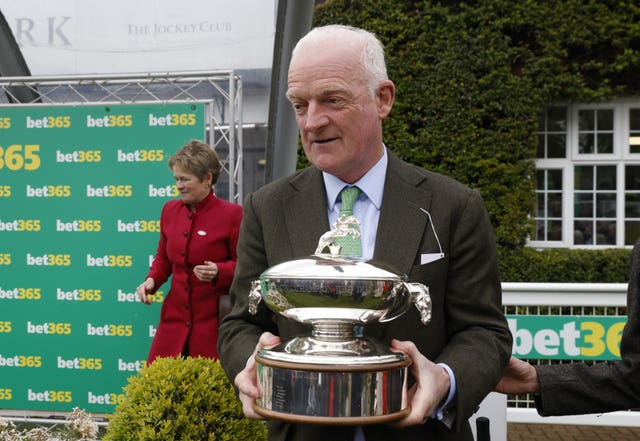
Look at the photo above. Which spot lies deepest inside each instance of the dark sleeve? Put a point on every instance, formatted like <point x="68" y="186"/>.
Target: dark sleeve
<point x="578" y="388"/>
<point x="239" y="332"/>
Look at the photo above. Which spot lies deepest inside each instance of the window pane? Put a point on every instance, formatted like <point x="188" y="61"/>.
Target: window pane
<point x="554" y="179"/>
<point x="540" y="150"/>
<point x="606" y="203"/>
<point x="632" y="205"/>
<point x="582" y="233"/>
<point x="557" y="119"/>
<point x="540" y="179"/>
<point x="583" y="205"/>
<point x="586" y="143"/>
<point x="634" y="120"/>
<point x="540" y="212"/>
<point x="555" y="205"/>
<point x="548" y="209"/>
<point x="631" y="232"/>
<point x="556" y="146"/>
<point x="632" y="177"/>
<point x="605" y="143"/>
<point x="555" y="230"/>
<point x="634" y="130"/>
<point x="606" y="233"/>
<point x="583" y="177"/>
<point x="586" y="120"/>
<point x="540" y="230"/>
<point x="606" y="177"/>
<point x="605" y="119"/>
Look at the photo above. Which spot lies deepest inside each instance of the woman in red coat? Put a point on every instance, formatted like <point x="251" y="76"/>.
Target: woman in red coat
<point x="198" y="238"/>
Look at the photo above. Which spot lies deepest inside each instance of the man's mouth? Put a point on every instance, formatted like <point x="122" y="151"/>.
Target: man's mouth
<point x="324" y="141"/>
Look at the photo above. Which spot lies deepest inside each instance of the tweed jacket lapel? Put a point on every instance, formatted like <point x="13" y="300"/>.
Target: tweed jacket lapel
<point x="305" y="210"/>
<point x="402" y="224"/>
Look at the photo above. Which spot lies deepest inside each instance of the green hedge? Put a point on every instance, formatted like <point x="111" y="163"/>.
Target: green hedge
<point x="471" y="80"/>
<point x="565" y="265"/>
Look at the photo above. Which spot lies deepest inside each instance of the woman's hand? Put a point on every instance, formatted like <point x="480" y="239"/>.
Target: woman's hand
<point x="206" y="272"/>
<point x="144" y="289"/>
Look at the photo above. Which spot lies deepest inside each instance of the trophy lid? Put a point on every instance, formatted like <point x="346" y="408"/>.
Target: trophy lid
<point x="330" y="267"/>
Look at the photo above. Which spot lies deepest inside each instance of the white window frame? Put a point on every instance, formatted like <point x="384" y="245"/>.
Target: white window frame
<point x="620" y="157"/>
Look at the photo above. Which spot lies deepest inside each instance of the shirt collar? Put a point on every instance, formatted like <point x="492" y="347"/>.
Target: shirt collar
<point x="371" y="184"/>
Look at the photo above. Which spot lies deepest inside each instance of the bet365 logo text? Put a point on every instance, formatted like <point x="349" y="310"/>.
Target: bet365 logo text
<point x="110" y="330"/>
<point x="172" y="119"/>
<point x="20" y="157"/>
<point x="79" y="295"/>
<point x="138" y="226"/>
<point x="6" y="394"/>
<point x="50" y="396"/>
<point x="566" y="337"/>
<point x="110" y="261"/>
<point x="49" y="191"/>
<point x="109" y="121"/>
<point x="49" y="328"/>
<point x="79" y="225"/>
<point x="20" y="294"/>
<point x="142" y="155"/>
<point x="49" y="260"/>
<point x="48" y="122"/>
<point x="80" y="363"/>
<point x="21" y="361"/>
<point x="79" y="156"/>
<point x="20" y="225"/>
<point x="110" y="191"/>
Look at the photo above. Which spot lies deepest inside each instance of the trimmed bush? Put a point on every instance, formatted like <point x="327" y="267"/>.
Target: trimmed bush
<point x="187" y="399"/>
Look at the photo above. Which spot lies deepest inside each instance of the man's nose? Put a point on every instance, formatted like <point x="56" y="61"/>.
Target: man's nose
<point x="316" y="117"/>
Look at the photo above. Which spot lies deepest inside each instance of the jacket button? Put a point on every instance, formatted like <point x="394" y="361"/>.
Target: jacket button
<point x="186" y="306"/>
<point x="187" y="324"/>
<point x="185" y="234"/>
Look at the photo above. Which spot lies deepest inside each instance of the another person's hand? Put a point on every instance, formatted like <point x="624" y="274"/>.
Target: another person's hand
<point x="206" y="272"/>
<point x="519" y="377"/>
<point x="431" y="387"/>
<point x="144" y="289"/>
<point x="247" y="380"/>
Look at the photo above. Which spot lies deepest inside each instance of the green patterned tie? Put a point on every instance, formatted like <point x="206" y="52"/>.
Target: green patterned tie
<point x="350" y="244"/>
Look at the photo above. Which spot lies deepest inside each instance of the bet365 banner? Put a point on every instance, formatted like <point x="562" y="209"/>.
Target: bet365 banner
<point x="81" y="189"/>
<point x="566" y="337"/>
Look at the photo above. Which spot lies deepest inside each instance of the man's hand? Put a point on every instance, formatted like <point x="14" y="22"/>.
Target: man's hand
<point x="247" y="380"/>
<point x="519" y="377"/>
<point x="432" y="384"/>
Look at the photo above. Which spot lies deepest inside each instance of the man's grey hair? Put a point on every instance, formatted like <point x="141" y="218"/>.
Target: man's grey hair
<point x="371" y="57"/>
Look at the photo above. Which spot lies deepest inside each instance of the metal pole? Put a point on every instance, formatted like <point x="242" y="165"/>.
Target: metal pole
<point x="293" y="22"/>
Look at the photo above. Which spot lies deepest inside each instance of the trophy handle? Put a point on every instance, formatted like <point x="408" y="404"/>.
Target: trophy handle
<point x="420" y="297"/>
<point x="255" y="295"/>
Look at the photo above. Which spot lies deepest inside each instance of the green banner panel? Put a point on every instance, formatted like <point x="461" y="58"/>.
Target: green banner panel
<point x="566" y="337"/>
<point x="81" y="189"/>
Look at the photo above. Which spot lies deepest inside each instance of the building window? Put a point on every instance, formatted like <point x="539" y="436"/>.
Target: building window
<point x="588" y="176"/>
<point x="549" y="205"/>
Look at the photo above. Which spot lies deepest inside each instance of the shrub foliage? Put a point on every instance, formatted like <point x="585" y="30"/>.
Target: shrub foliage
<point x="187" y="399"/>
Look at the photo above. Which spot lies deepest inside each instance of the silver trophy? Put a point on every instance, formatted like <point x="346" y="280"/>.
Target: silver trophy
<point x="335" y="375"/>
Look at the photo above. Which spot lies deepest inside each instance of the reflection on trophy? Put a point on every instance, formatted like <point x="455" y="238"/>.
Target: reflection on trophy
<point x="335" y="375"/>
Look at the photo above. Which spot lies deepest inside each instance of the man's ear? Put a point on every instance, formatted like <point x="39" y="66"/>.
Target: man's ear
<point x="385" y="96"/>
